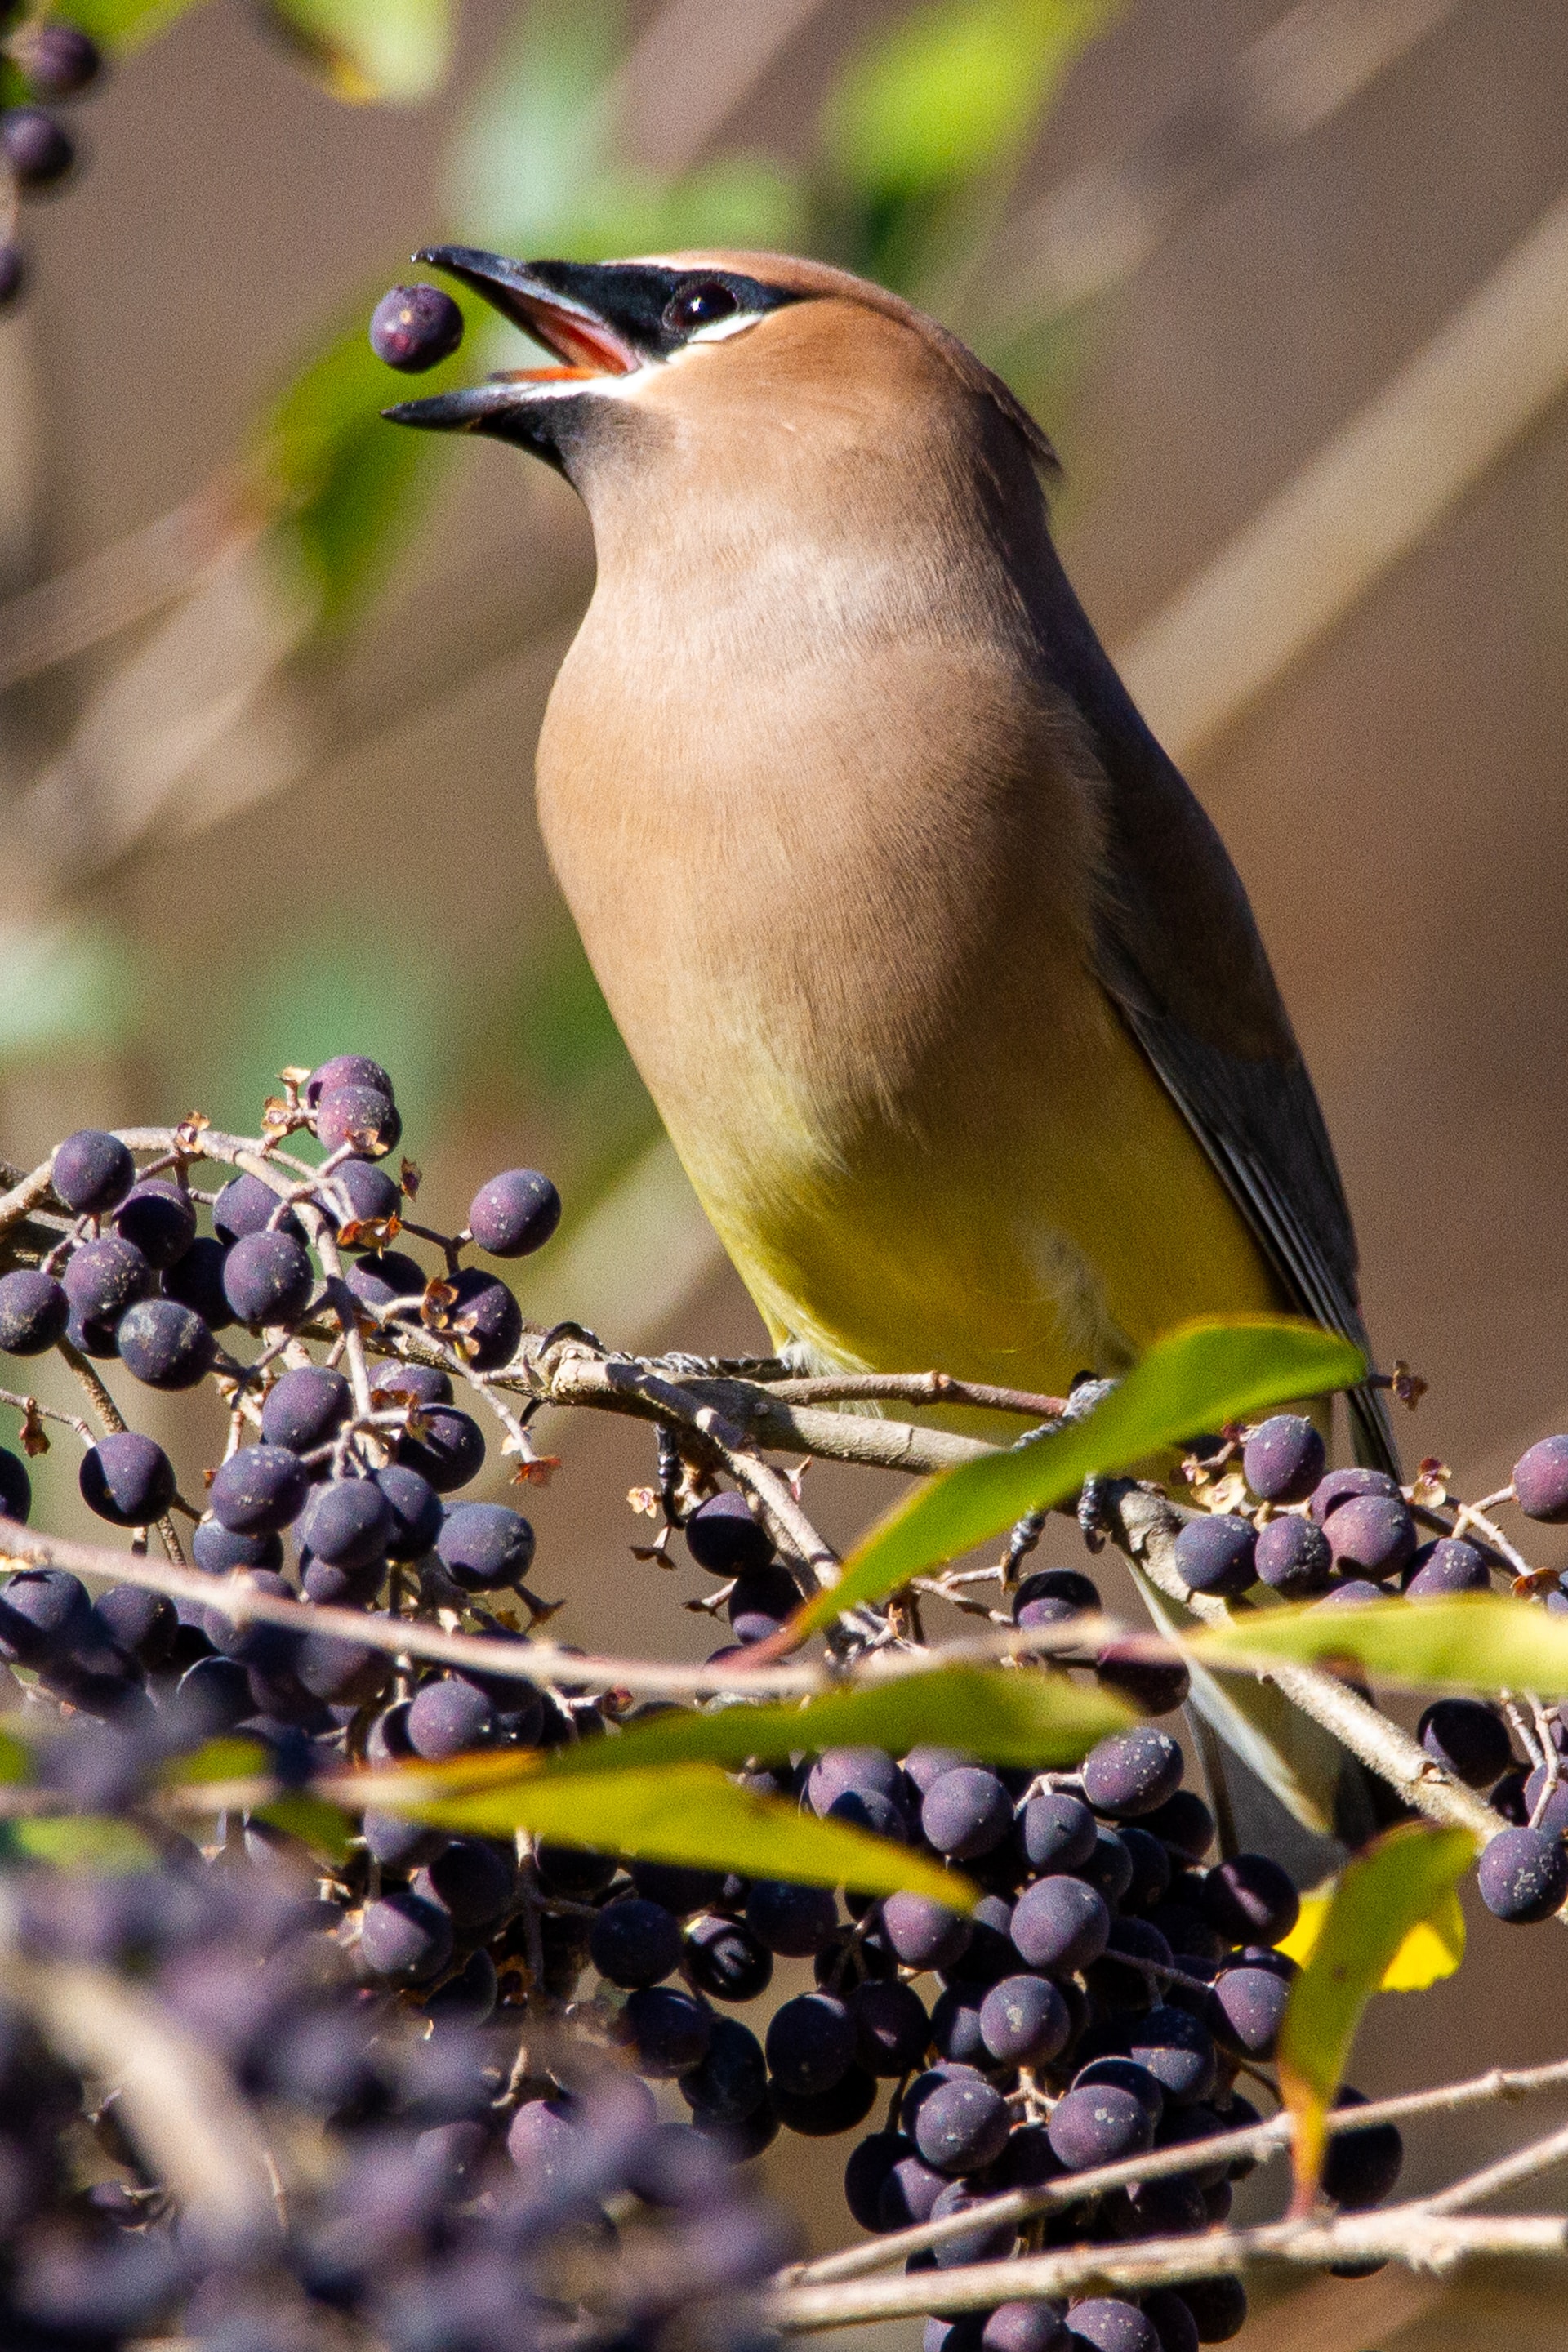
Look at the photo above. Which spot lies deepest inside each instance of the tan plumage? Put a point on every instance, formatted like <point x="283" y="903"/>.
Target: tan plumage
<point x="941" y="981"/>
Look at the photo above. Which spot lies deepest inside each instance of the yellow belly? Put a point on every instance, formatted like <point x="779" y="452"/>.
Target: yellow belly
<point x="1059" y="1237"/>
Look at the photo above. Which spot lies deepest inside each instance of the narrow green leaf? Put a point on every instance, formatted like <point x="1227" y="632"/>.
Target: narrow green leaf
<point x="1193" y="1379"/>
<point x="1475" y="1640"/>
<point x="1004" y="1717"/>
<point x="16" y="1759"/>
<point x="951" y="90"/>
<point x="677" y="1812"/>
<point x="1403" y="1877"/>
<point x="366" y="51"/>
<point x="218" y="1759"/>
<point x="325" y="1829"/>
<point x="92" y="1842"/>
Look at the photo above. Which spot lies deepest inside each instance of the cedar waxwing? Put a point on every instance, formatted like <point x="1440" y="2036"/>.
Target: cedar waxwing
<point x="942" y="982"/>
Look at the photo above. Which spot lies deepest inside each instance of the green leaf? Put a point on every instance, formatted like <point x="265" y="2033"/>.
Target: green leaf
<point x="125" y="24"/>
<point x="218" y="1759"/>
<point x="92" y="1841"/>
<point x="366" y="51"/>
<point x="325" y="1829"/>
<point x="952" y="90"/>
<point x="1192" y="1379"/>
<point x="1405" y="1877"/>
<point x="1432" y="1949"/>
<point x="1003" y="1716"/>
<point x="16" y="1759"/>
<point x="1475" y="1640"/>
<point x="674" y="1812"/>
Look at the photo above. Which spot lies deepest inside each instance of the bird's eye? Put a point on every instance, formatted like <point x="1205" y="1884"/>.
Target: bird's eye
<point x="702" y="304"/>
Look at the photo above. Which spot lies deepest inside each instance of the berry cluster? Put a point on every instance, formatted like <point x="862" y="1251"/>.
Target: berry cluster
<point x="1333" y="1536"/>
<point x="42" y="62"/>
<point x="433" y="2192"/>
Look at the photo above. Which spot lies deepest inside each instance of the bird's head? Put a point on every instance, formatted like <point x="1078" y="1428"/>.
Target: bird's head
<point x="700" y="350"/>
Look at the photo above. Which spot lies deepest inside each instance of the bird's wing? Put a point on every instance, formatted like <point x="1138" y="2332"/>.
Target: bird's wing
<point x="1178" y="952"/>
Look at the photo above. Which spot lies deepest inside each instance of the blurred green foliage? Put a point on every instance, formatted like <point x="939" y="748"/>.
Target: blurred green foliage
<point x="390" y="51"/>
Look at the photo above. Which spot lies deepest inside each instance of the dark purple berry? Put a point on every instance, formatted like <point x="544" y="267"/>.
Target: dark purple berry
<point x="1022" y="2328"/>
<point x="1107" y="2324"/>
<point x="404" y="1939"/>
<point x="140" y="1625"/>
<point x="92" y="1170"/>
<point x="34" y="1312"/>
<point x="1360" y="2169"/>
<point x="341" y="1673"/>
<point x="1541" y="1481"/>
<point x="761" y="1602"/>
<point x="1183" y="1821"/>
<point x="963" y="2126"/>
<point x="449" y="1716"/>
<point x="989" y="2242"/>
<point x="218" y="1550"/>
<point x="514" y="1214"/>
<point x="1152" y="1686"/>
<point x="1060" y="1925"/>
<point x="923" y="1934"/>
<point x="259" y="1489"/>
<point x="380" y="1278"/>
<point x="197" y="1281"/>
<point x="58" y="60"/>
<point x="37" y="150"/>
<point x="415" y="1511"/>
<point x="1352" y="1591"/>
<point x="247" y="1205"/>
<point x="1215" y="1555"/>
<point x="792" y="1921"/>
<point x="106" y="1276"/>
<point x="1294" y="1558"/>
<point x="473" y="1879"/>
<point x="126" y="1479"/>
<point x="393" y="1382"/>
<point x="891" y="2027"/>
<point x="966" y="1812"/>
<point x="1245" y="2011"/>
<point x="634" y="1942"/>
<point x="1079" y="1592"/>
<point x="725" y="1960"/>
<point x="346" y="1070"/>
<point x="1372" y="1536"/>
<point x="723" y="1538"/>
<point x="811" y="2044"/>
<point x="1101" y="2123"/>
<point x="1025" y="2022"/>
<point x="1131" y="1772"/>
<point x="1283" y="1459"/>
<point x="1342" y="1485"/>
<point x="360" y="1193"/>
<point x="667" y="2032"/>
<point x="1251" y="1900"/>
<point x="733" y="2079"/>
<point x="485" y="1546"/>
<point x="305" y="1408"/>
<point x="267" y="1278"/>
<point x="158" y="1219"/>
<point x="346" y="1522"/>
<point x="484" y="1318"/>
<point x="360" y="1118"/>
<point x="1468" y="1739"/>
<point x="1056" y="1832"/>
<point x="1522" y="1876"/>
<point x="1448" y="1564"/>
<point x="414" y="328"/>
<point x="164" y="1344"/>
<point x="449" y="1450"/>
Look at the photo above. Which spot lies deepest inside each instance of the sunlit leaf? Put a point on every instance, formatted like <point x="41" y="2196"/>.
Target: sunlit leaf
<point x="125" y="24"/>
<point x="951" y="90"/>
<point x="90" y="1841"/>
<point x="1432" y="1949"/>
<point x="16" y="1759"/>
<point x="683" y="1813"/>
<point x="365" y="51"/>
<point x="1475" y="1641"/>
<point x="1002" y="1717"/>
<point x="1401" y="1878"/>
<point x="1193" y="1379"/>
<point x="537" y="136"/>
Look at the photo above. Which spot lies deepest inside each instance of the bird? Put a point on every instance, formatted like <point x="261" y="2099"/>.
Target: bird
<point x="942" y="979"/>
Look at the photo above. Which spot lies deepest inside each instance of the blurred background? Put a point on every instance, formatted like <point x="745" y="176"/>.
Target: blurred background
<point x="1288" y="287"/>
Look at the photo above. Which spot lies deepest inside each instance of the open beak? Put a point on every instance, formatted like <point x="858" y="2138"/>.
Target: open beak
<point x="551" y="300"/>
